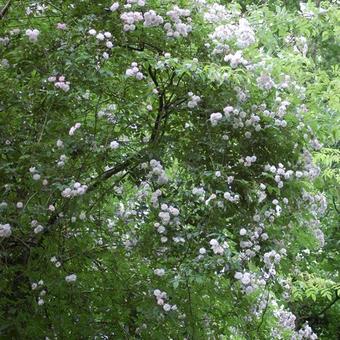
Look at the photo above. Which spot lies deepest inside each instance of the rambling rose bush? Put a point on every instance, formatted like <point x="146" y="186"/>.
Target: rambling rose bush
<point x="157" y="169"/>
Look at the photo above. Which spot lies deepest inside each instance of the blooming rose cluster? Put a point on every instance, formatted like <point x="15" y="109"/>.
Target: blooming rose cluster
<point x="194" y="100"/>
<point x="280" y="173"/>
<point x="216" y="13"/>
<point x="318" y="202"/>
<point x="134" y="71"/>
<point x="35" y="174"/>
<point x="78" y="190"/>
<point x="242" y="34"/>
<point x="105" y="37"/>
<point x="114" y="145"/>
<point x="286" y="318"/>
<point x="249" y="281"/>
<point x="140" y="3"/>
<point x="38" y="228"/>
<point x="265" y="82"/>
<point x="71" y="278"/>
<point x="60" y="83"/>
<point x="36" y="8"/>
<point x="215" y="118"/>
<point x="248" y="160"/>
<point x="159" y="271"/>
<point x="157" y="172"/>
<point x="236" y="59"/>
<point x="168" y="216"/>
<point x="245" y="36"/>
<point x="5" y="230"/>
<point x="108" y="112"/>
<point x="218" y="248"/>
<point x="154" y="198"/>
<point x="32" y="34"/>
<point x="231" y="197"/>
<point x="167" y="213"/>
<point x="240" y="119"/>
<point x="130" y="19"/>
<point x="152" y="19"/>
<point x="42" y="293"/>
<point x="271" y="258"/>
<point x="180" y="26"/>
<point x="61" y="26"/>
<point x="62" y="160"/>
<point x="306" y="333"/>
<point x="4" y="41"/>
<point x="55" y="261"/>
<point x="161" y="298"/>
<point x="74" y="129"/>
<point x="114" y="6"/>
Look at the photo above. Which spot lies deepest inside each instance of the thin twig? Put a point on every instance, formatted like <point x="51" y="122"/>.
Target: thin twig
<point x="334" y="204"/>
<point x="330" y="305"/>
<point x="264" y="312"/>
<point x="5" y="9"/>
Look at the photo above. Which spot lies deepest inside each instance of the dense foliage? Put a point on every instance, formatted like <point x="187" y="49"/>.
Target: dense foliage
<point x="169" y="169"/>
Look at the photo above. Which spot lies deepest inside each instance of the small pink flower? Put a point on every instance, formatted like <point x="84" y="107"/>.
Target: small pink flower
<point x="61" y="26"/>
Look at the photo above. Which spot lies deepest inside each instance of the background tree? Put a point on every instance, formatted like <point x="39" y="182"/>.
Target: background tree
<point x="157" y="170"/>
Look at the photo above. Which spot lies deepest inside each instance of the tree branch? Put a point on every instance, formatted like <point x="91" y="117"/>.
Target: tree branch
<point x="334" y="204"/>
<point x="263" y="313"/>
<point x="156" y="128"/>
<point x="5" y="9"/>
<point x="330" y="305"/>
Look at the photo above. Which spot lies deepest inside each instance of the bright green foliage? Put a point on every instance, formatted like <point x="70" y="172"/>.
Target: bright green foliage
<point x="164" y="178"/>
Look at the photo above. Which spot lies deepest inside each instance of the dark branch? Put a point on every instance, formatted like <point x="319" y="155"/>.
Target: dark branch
<point x="330" y="305"/>
<point x="156" y="128"/>
<point x="334" y="204"/>
<point x="5" y="9"/>
<point x="136" y="158"/>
